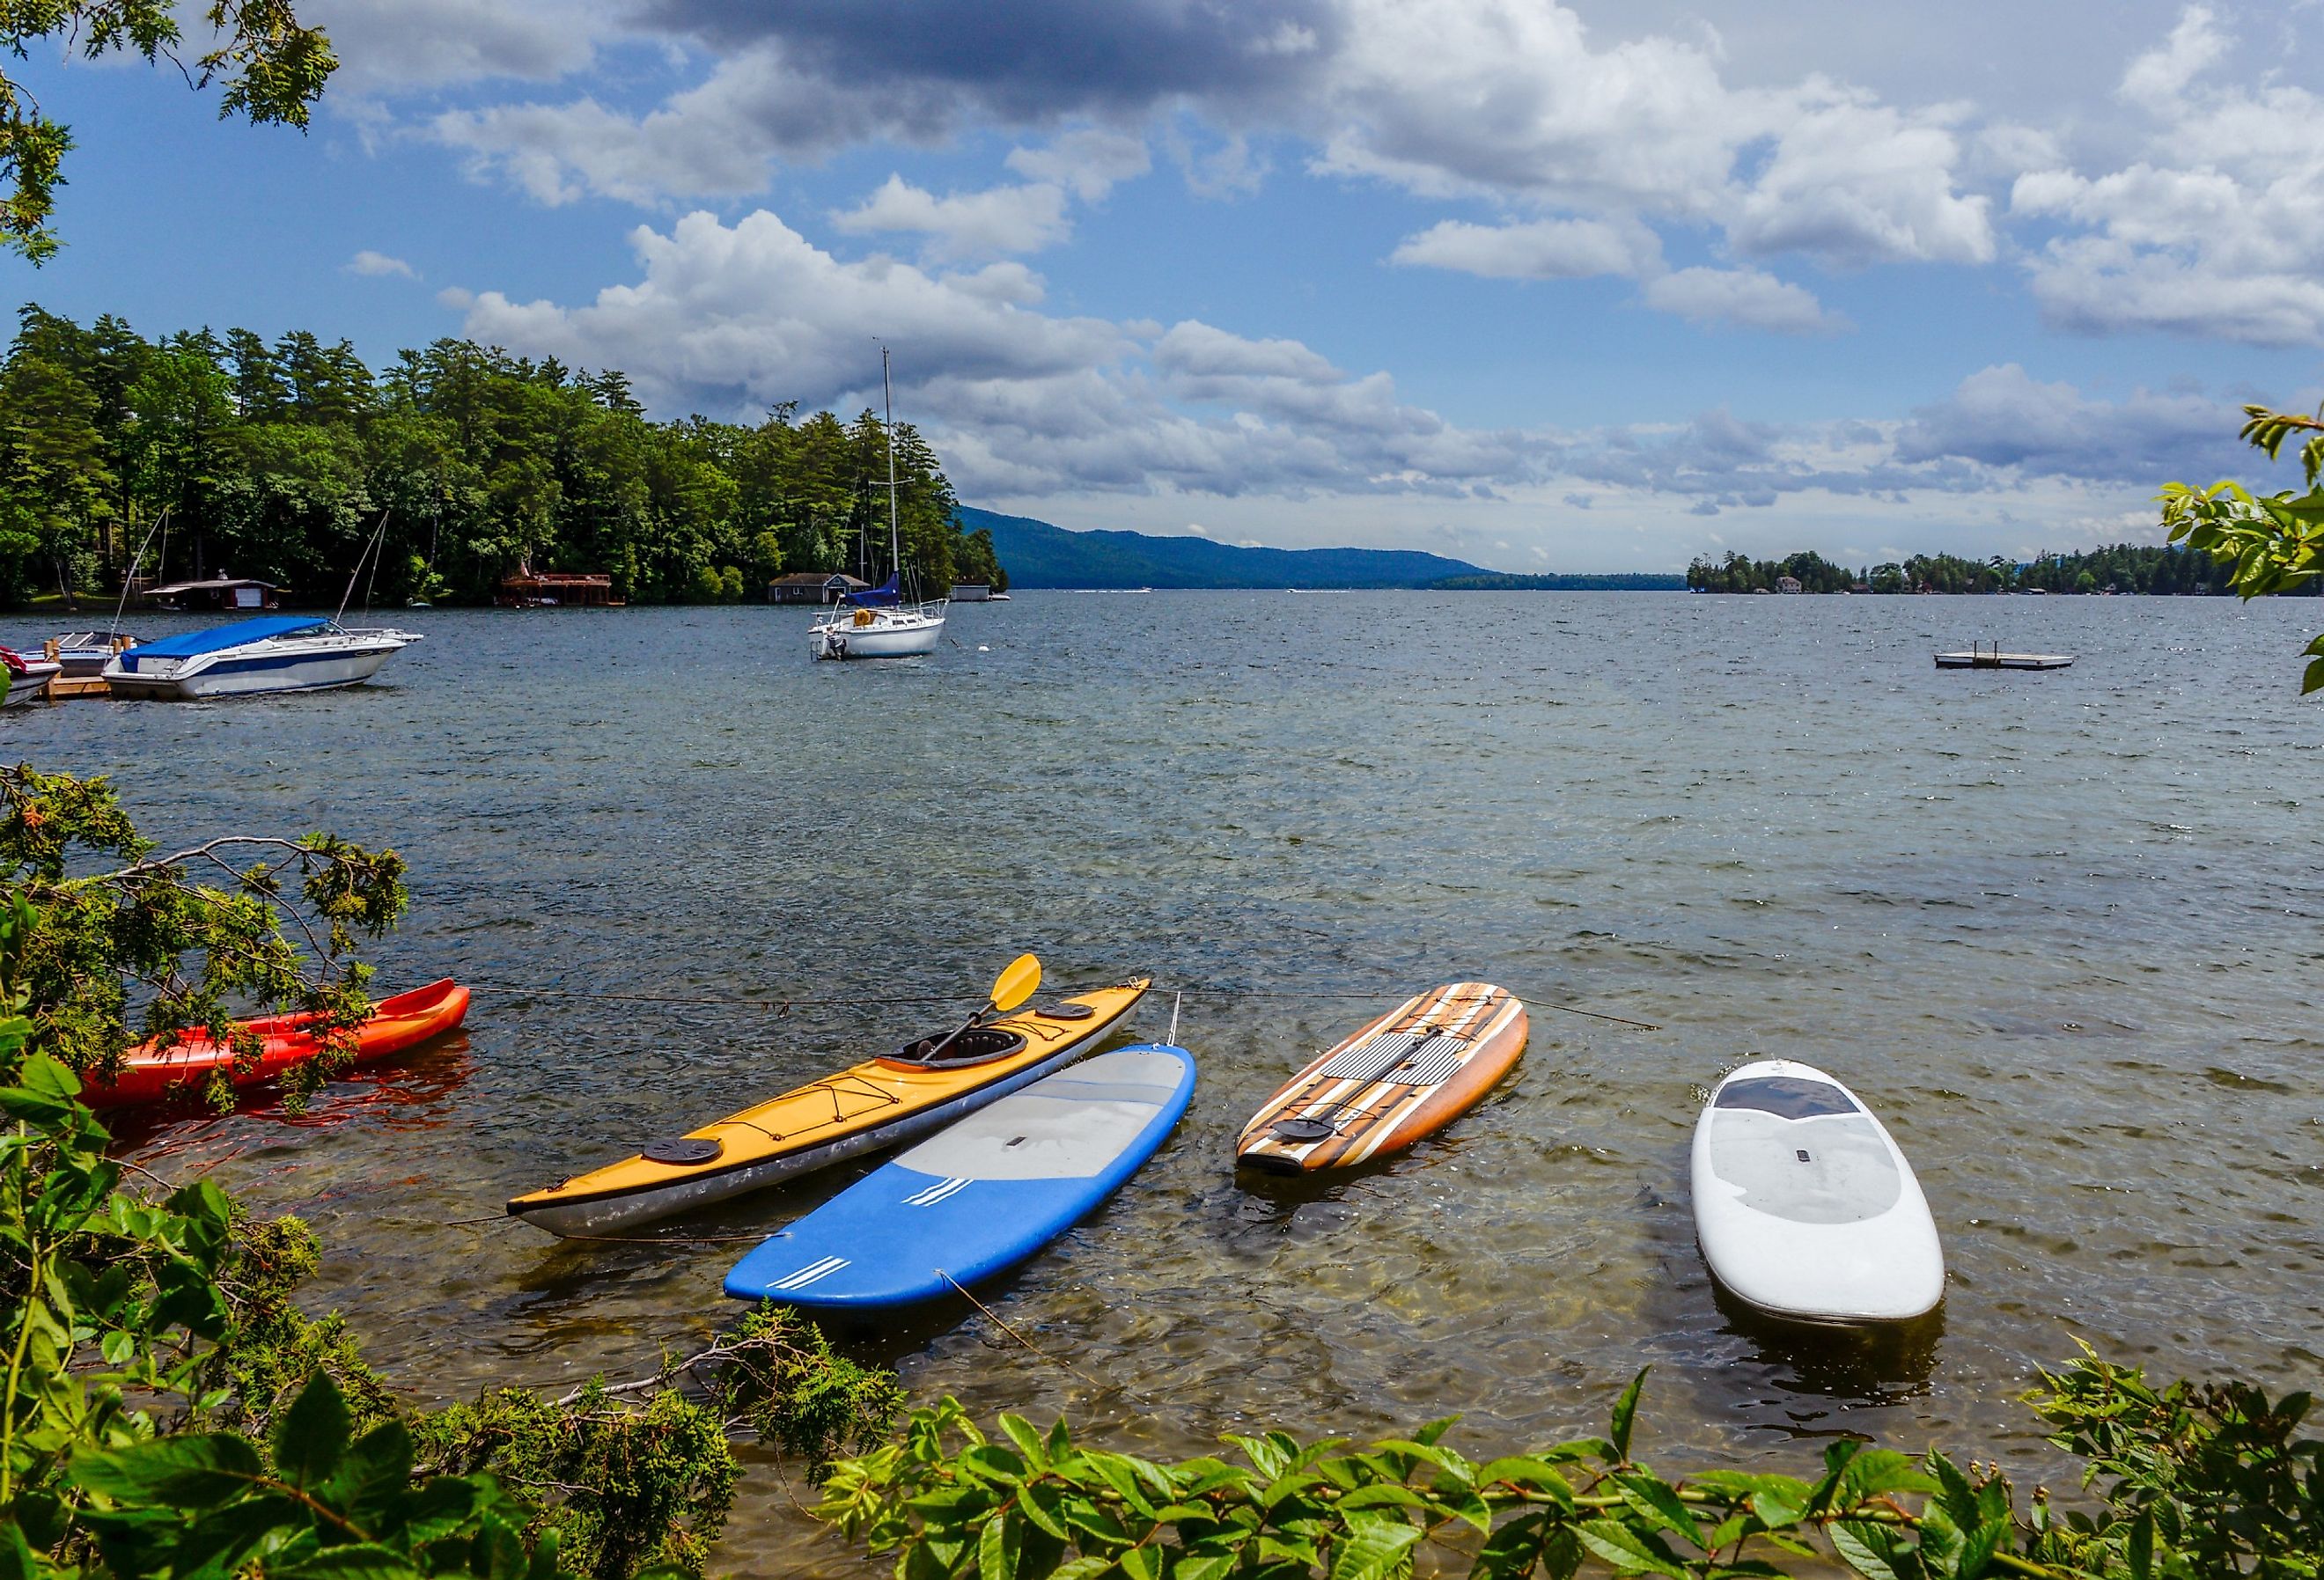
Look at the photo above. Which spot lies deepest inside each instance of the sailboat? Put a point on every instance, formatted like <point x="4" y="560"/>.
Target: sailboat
<point x="876" y="623"/>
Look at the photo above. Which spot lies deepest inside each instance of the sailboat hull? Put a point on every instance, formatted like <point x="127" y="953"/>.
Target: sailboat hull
<point x="882" y="639"/>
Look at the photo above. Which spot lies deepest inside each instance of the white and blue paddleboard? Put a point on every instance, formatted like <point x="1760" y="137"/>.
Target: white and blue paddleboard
<point x="981" y="1195"/>
<point x="1804" y="1203"/>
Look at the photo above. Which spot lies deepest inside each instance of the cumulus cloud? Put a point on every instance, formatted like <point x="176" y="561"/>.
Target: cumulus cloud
<point x="1745" y="297"/>
<point x="1507" y="100"/>
<point x="379" y="264"/>
<point x="386" y="45"/>
<point x="1089" y="161"/>
<point x="2218" y="232"/>
<point x="964" y="225"/>
<point x="1541" y="249"/>
<point x="2002" y="417"/>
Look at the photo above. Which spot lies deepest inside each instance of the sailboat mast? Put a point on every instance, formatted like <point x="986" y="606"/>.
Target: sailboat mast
<point x="895" y="536"/>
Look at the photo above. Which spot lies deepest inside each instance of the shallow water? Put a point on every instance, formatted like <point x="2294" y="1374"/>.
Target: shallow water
<point x="2058" y="929"/>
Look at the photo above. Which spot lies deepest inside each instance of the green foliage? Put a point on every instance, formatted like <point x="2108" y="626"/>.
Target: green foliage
<point x="2123" y="569"/>
<point x="167" y="1409"/>
<point x="272" y="69"/>
<point x="621" y="1484"/>
<point x="2203" y="1480"/>
<point x="2270" y="543"/>
<point x="276" y="461"/>
<point x="108" y="919"/>
<point x="2208" y="1482"/>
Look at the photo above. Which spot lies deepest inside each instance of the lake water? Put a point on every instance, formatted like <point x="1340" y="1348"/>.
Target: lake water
<point x="2061" y="930"/>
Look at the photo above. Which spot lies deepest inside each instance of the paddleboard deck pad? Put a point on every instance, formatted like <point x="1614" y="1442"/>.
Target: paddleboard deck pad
<point x="1804" y="1203"/>
<point x="879" y="1103"/>
<point x="1404" y="1075"/>
<point x="981" y="1196"/>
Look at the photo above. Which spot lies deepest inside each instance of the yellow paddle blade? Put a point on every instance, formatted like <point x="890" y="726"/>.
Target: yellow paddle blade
<point x="1015" y="983"/>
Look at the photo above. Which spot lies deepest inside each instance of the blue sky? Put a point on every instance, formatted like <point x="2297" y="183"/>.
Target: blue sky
<point x="1586" y="286"/>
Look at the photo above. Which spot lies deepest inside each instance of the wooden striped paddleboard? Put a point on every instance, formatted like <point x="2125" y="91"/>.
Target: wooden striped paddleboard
<point x="1404" y="1075"/>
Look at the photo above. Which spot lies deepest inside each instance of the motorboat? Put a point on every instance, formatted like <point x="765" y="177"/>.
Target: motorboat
<point x="28" y="677"/>
<point x="83" y="654"/>
<point x="875" y="623"/>
<point x="275" y="652"/>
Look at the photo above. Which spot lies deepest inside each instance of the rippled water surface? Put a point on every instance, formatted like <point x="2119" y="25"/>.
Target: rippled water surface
<point x="2058" y="929"/>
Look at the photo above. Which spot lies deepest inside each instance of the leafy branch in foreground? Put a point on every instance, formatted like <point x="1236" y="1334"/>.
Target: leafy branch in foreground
<point x="2272" y="543"/>
<point x="274" y="70"/>
<point x="191" y="932"/>
<point x="2207" y="1482"/>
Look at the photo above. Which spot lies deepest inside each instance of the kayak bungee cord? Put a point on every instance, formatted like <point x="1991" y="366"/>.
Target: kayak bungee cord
<point x="785" y="1006"/>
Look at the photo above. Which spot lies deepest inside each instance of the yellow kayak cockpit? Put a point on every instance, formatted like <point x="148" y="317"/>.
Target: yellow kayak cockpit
<point x="867" y="1106"/>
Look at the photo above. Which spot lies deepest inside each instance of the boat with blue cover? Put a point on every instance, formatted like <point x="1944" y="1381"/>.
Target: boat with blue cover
<point x="274" y="653"/>
<point x="979" y="1197"/>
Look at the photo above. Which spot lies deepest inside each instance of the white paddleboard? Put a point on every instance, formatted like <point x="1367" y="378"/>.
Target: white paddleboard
<point x="1804" y="1205"/>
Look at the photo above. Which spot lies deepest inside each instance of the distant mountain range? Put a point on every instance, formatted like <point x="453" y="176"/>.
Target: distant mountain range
<point x="1037" y="554"/>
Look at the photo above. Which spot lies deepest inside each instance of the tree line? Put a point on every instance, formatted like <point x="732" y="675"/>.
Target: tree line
<point x="280" y="460"/>
<point x="2125" y="567"/>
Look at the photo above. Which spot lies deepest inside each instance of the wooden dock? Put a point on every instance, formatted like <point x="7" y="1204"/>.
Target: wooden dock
<point x="1992" y="657"/>
<point x="65" y="688"/>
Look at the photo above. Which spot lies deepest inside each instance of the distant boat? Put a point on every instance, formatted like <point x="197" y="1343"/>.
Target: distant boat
<point x="275" y="652"/>
<point x="875" y="623"/>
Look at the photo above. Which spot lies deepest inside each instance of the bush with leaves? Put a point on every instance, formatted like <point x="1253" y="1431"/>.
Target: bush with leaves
<point x="2271" y="542"/>
<point x="110" y="920"/>
<point x="2207" y="1482"/>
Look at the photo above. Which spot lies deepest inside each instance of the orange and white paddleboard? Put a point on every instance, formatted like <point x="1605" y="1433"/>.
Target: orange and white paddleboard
<point x="1404" y="1075"/>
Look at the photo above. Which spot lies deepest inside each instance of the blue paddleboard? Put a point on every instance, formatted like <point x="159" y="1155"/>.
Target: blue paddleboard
<point x="981" y="1195"/>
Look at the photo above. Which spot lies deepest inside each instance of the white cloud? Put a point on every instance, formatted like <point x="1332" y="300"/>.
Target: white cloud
<point x="2218" y="233"/>
<point x="379" y="264"/>
<point x="1854" y="183"/>
<point x="964" y="225"/>
<point x="1090" y="161"/>
<point x="2193" y="46"/>
<point x="1540" y="249"/>
<point x="1745" y="297"/>
<point x="386" y="45"/>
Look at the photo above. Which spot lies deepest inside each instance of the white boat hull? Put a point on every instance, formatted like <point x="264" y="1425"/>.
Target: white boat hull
<point x="33" y="682"/>
<point x="244" y="673"/>
<point x="887" y="637"/>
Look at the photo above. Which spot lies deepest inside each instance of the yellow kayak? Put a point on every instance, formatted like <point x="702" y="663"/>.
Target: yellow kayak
<point x="873" y="1104"/>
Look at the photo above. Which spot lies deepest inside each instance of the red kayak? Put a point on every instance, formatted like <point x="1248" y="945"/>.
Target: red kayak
<point x="395" y="1025"/>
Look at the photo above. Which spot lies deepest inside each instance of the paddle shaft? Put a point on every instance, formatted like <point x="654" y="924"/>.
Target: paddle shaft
<point x="930" y="1057"/>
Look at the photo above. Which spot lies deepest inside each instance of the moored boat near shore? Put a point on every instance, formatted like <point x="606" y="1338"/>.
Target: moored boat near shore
<point x="28" y="678"/>
<point x="276" y="652"/>
<point x="396" y="1024"/>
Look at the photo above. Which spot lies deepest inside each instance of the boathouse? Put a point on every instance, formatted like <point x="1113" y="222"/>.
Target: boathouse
<point x="547" y="590"/>
<point x="971" y="591"/>
<point x="217" y="591"/>
<point x="813" y="587"/>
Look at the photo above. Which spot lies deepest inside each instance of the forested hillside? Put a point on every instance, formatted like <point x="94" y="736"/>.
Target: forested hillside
<point x="1040" y="555"/>
<point x="2124" y="568"/>
<point x="276" y="461"/>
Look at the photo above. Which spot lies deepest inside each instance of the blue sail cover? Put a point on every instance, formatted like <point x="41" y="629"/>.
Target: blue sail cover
<point x="194" y="644"/>
<point x="885" y="594"/>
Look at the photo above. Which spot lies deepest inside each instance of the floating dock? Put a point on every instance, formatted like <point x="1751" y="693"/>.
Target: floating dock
<point x="1992" y="657"/>
<point x="64" y="688"/>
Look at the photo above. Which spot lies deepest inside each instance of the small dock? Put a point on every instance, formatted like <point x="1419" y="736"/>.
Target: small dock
<point x="1992" y="657"/>
<point x="65" y="688"/>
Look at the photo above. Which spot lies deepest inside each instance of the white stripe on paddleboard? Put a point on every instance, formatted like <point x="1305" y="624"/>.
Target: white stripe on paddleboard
<point x="811" y="1273"/>
<point x="936" y="1193"/>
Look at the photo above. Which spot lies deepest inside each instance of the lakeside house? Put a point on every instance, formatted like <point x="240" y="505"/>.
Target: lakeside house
<point x="813" y="587"/>
<point x="971" y="591"/>
<point x="217" y="591"/>
<point x="1788" y="583"/>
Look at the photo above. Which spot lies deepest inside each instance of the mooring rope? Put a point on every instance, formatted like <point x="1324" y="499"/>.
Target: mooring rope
<point x="786" y="1005"/>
